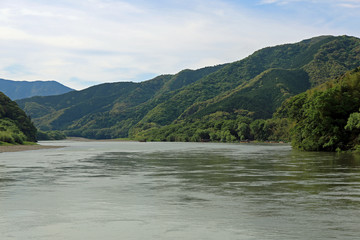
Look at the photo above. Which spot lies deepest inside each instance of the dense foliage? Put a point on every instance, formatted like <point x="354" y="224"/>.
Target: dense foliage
<point x="15" y="126"/>
<point x="218" y="127"/>
<point x="326" y="118"/>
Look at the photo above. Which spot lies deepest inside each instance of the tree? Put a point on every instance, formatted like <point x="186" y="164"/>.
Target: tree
<point x="323" y="117"/>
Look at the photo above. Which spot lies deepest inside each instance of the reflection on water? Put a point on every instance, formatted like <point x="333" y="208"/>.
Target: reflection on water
<point x="129" y="190"/>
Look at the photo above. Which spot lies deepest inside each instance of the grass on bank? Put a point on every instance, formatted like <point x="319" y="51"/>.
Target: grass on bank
<point x="12" y="144"/>
<point x="10" y="134"/>
<point x="12" y="137"/>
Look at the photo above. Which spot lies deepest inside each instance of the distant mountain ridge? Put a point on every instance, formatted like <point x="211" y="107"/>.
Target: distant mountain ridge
<point x="25" y="89"/>
<point x="256" y="85"/>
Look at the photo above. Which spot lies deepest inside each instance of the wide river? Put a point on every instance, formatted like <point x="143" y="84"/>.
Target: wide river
<point x="131" y="190"/>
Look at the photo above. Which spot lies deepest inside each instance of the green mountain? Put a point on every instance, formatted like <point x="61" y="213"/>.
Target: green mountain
<point x="107" y="110"/>
<point x="262" y="95"/>
<point x="24" y="89"/>
<point x="253" y="87"/>
<point x="304" y="56"/>
<point x="15" y="126"/>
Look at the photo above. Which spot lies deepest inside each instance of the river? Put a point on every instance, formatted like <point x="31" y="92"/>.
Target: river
<point x="132" y="190"/>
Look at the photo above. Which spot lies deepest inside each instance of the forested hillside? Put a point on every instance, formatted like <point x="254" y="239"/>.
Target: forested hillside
<point x="244" y="91"/>
<point x="15" y="126"/>
<point x="326" y="118"/>
<point x="106" y="110"/>
<point x="24" y="89"/>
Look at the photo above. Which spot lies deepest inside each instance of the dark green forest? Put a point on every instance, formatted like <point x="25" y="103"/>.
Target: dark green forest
<point x="326" y="118"/>
<point x="230" y="102"/>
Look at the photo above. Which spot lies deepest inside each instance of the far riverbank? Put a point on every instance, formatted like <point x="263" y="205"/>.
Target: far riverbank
<point x="18" y="148"/>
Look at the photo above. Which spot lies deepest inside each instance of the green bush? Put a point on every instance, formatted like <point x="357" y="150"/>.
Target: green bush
<point x="6" y="137"/>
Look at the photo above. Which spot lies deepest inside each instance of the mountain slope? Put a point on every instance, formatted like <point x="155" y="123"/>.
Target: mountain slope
<point x="262" y="95"/>
<point x="257" y="85"/>
<point x="334" y="55"/>
<point x="24" y="89"/>
<point x="15" y="126"/>
<point x="107" y="110"/>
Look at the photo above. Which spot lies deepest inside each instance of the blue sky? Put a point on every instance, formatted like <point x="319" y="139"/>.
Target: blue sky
<point x="86" y="42"/>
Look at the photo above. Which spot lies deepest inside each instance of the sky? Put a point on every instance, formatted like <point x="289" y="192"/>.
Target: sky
<point x="81" y="43"/>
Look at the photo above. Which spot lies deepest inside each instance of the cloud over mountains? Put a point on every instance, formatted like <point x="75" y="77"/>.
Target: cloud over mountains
<point x="81" y="43"/>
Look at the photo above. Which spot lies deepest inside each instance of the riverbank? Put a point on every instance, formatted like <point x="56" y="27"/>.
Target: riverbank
<point x="18" y="148"/>
<point x="80" y="139"/>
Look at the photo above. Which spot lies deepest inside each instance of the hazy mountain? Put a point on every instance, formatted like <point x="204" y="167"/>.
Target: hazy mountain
<point x="24" y="89"/>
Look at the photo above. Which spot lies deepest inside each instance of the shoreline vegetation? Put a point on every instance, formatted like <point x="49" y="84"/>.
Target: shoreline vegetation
<point x="19" y="148"/>
<point x="4" y="147"/>
<point x="81" y="139"/>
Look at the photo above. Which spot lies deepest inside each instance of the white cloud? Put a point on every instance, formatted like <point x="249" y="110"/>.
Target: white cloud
<point x="350" y="4"/>
<point x="341" y="3"/>
<point x="84" y="42"/>
<point x="280" y="2"/>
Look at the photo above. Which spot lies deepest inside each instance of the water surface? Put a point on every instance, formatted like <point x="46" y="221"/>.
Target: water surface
<point x="130" y="190"/>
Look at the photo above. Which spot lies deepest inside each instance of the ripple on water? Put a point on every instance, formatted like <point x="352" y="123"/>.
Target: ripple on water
<point x="179" y="191"/>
